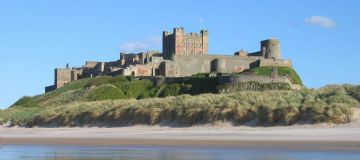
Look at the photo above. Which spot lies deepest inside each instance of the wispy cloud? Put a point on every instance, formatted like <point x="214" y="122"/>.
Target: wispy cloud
<point x="157" y="40"/>
<point x="134" y="46"/>
<point x="152" y="42"/>
<point x="321" y="21"/>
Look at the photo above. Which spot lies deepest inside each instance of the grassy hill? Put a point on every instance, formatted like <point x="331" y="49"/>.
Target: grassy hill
<point x="120" y="101"/>
<point x="121" y="87"/>
<point x="333" y="104"/>
<point x="111" y="88"/>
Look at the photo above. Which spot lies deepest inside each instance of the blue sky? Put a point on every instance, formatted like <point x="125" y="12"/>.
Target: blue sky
<point x="321" y="37"/>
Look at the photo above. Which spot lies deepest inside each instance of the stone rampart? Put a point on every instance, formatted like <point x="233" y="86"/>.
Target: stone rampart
<point x="247" y="78"/>
<point x="275" y="62"/>
<point x="189" y="65"/>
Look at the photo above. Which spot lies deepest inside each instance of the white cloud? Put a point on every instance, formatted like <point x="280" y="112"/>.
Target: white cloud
<point x="152" y="42"/>
<point x="156" y="40"/>
<point x="134" y="46"/>
<point x="321" y="21"/>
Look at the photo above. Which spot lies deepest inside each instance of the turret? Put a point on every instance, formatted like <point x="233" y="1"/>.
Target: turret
<point x="179" y="31"/>
<point x="205" y="42"/>
<point x="220" y="65"/>
<point x="270" y="49"/>
<point x="122" y="58"/>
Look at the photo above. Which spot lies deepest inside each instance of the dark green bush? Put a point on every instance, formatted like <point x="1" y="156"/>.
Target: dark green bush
<point x="106" y="92"/>
<point x="354" y="91"/>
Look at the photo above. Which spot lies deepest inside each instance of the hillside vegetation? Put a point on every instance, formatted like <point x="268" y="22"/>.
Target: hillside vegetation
<point x="332" y="104"/>
<point x="281" y="71"/>
<point x="121" y="87"/>
<point x="123" y="101"/>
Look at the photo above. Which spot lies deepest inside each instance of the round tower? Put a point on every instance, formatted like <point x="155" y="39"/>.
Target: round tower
<point x="220" y="65"/>
<point x="270" y="49"/>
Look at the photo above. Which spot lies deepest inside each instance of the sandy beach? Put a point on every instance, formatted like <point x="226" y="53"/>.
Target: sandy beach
<point x="308" y="137"/>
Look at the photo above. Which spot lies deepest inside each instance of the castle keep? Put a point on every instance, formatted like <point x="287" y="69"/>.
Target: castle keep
<point x="183" y="54"/>
<point x="181" y="43"/>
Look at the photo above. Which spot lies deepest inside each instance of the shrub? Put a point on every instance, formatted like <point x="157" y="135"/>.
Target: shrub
<point x="353" y="91"/>
<point x="200" y="75"/>
<point x="105" y="91"/>
<point x="289" y="115"/>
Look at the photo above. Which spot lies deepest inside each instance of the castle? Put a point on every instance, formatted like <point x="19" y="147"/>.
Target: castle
<point x="183" y="54"/>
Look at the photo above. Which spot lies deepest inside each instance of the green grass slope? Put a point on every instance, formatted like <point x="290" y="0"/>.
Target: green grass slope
<point x="96" y="89"/>
<point x="120" y="87"/>
<point x="282" y="71"/>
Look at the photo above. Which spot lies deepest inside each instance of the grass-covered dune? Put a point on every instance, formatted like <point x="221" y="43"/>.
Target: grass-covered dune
<point x="333" y="104"/>
<point x="122" y="101"/>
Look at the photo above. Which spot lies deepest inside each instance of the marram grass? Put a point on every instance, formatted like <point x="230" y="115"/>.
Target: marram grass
<point x="332" y="104"/>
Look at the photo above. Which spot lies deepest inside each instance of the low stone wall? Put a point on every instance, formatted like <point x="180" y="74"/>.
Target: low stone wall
<point x="256" y="78"/>
<point x="50" y="88"/>
<point x="247" y="78"/>
<point x="157" y="80"/>
<point x="252" y="86"/>
<point x="226" y="79"/>
<point x="277" y="62"/>
<point x="223" y="79"/>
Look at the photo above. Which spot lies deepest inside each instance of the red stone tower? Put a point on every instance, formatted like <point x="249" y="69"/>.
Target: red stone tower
<point x="181" y="43"/>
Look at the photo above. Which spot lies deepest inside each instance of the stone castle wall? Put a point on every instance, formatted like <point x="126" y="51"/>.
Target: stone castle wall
<point x="255" y="78"/>
<point x="275" y="62"/>
<point x="182" y="65"/>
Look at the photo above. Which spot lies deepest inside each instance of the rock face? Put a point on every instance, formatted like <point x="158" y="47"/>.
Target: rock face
<point x="184" y="54"/>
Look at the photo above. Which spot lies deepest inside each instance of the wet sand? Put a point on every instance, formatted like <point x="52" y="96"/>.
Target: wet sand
<point x="301" y="137"/>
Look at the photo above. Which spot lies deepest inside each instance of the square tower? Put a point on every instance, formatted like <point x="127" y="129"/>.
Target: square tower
<point x="181" y="43"/>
